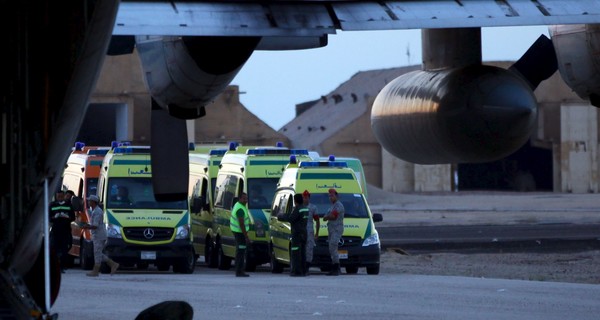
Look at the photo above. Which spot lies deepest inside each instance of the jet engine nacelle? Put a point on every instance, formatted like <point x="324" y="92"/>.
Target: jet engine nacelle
<point x="183" y="74"/>
<point x="471" y="114"/>
<point x="577" y="48"/>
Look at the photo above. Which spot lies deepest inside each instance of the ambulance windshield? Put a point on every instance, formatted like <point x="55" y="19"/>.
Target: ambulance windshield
<point x="137" y="194"/>
<point x="261" y="192"/>
<point x="354" y="204"/>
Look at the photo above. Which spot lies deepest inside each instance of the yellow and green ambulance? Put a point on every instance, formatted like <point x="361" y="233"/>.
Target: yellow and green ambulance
<point x="141" y="230"/>
<point x="359" y="246"/>
<point x="204" y="165"/>
<point x="255" y="172"/>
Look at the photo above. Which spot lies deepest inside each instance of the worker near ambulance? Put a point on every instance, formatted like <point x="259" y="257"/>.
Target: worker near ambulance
<point x="98" y="232"/>
<point x="297" y="220"/>
<point x="312" y="233"/>
<point x="239" y="223"/>
<point x="61" y="216"/>
<point x="335" y="229"/>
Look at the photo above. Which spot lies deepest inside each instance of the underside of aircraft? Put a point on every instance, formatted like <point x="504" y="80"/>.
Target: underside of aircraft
<point x="454" y="110"/>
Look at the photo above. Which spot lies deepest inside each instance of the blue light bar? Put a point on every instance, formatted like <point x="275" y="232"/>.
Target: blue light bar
<point x="267" y="151"/>
<point x="330" y="164"/>
<point x="279" y="144"/>
<point x="116" y="144"/>
<point x="97" y="152"/>
<point x="79" y="146"/>
<point x="293" y="159"/>
<point x="217" y="152"/>
<point x="233" y="145"/>
<point x="128" y="149"/>
<point x="331" y="157"/>
<point x="191" y="146"/>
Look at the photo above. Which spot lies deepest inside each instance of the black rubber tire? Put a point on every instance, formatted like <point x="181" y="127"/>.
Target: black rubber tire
<point x="210" y="254"/>
<point x="373" y="269"/>
<point x="276" y="266"/>
<point x="186" y="265"/>
<point x="224" y="262"/>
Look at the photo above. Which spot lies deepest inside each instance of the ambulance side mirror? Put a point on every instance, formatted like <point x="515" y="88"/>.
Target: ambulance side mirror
<point x="377" y="217"/>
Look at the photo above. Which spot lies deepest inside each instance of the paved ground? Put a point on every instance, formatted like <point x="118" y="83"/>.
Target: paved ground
<point x="495" y="208"/>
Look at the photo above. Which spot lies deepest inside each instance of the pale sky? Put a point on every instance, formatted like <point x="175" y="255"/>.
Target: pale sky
<point x="273" y="82"/>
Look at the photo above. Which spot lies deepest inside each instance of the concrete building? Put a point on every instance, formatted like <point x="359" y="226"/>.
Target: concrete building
<point x="561" y="155"/>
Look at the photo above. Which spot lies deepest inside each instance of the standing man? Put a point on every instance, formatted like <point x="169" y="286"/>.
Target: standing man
<point x="98" y="231"/>
<point x="239" y="223"/>
<point x="335" y="228"/>
<point x="311" y="233"/>
<point x="61" y="216"/>
<point x="297" y="220"/>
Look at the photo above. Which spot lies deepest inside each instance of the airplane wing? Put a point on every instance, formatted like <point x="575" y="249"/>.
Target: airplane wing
<point x="316" y="18"/>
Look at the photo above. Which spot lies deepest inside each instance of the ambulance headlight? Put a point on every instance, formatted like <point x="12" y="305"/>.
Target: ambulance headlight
<point x="371" y="240"/>
<point x="259" y="229"/>
<point x="113" y="231"/>
<point x="182" y="232"/>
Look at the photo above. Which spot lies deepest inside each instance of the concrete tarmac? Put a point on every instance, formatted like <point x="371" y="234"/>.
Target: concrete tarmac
<point x="484" y="208"/>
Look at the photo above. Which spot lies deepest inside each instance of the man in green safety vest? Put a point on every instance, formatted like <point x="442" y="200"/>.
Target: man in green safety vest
<point x="240" y="224"/>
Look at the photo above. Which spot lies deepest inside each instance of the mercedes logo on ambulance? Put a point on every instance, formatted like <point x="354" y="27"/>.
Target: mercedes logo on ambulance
<point x="149" y="233"/>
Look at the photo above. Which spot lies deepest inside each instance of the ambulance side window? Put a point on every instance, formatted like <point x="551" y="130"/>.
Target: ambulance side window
<point x="283" y="204"/>
<point x="290" y="204"/>
<point x="225" y="191"/>
<point x="279" y="202"/>
<point x="203" y="192"/>
<point x="193" y="186"/>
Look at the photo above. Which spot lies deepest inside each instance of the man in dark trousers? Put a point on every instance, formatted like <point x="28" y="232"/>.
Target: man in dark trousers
<point x="239" y="223"/>
<point x="61" y="216"/>
<point x="297" y="220"/>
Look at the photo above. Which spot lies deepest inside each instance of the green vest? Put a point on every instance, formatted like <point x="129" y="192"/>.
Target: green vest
<point x="233" y="221"/>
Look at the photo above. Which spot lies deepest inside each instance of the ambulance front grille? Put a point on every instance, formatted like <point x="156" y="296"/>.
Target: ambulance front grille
<point x="347" y="242"/>
<point x="148" y="234"/>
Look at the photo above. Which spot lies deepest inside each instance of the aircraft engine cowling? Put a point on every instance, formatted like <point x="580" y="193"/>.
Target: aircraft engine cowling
<point x="471" y="114"/>
<point x="183" y="74"/>
<point x="577" y="48"/>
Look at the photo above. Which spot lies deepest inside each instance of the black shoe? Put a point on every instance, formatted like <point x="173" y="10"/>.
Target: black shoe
<point x="335" y="270"/>
<point x="242" y="275"/>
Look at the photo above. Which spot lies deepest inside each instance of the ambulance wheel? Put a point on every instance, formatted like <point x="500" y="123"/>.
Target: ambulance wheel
<point x="276" y="266"/>
<point x="186" y="265"/>
<point x="351" y="269"/>
<point x="210" y="254"/>
<point x="223" y="261"/>
<point x="373" y="269"/>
